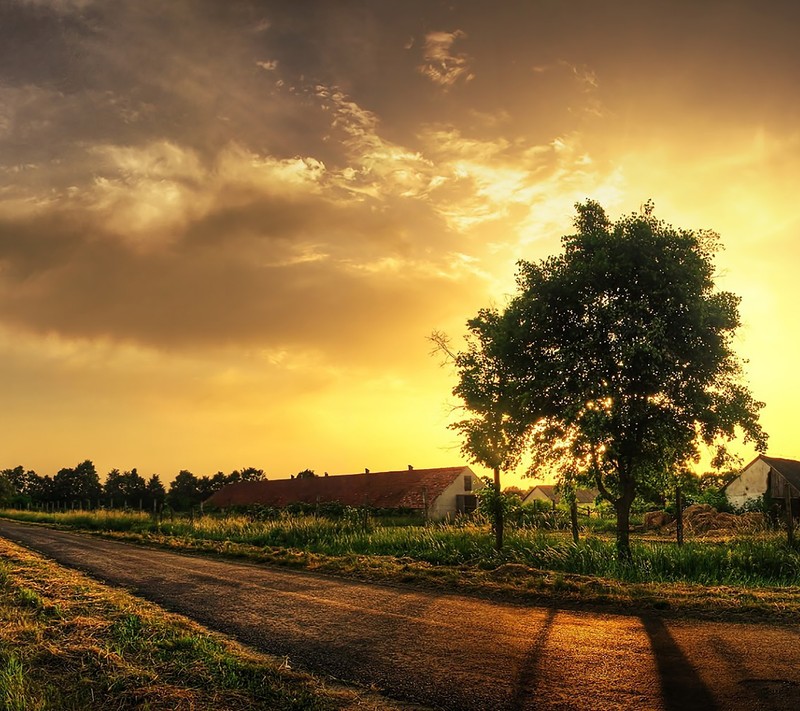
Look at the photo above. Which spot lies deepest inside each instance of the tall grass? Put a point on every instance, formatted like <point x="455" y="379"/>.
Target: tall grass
<point x="749" y="560"/>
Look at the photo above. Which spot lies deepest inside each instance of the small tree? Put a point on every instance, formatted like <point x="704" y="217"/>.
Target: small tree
<point x="493" y="435"/>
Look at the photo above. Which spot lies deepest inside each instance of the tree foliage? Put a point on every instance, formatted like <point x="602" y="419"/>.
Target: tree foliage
<point x="622" y="355"/>
<point x="79" y="484"/>
<point x="493" y="434"/>
<point x="613" y="362"/>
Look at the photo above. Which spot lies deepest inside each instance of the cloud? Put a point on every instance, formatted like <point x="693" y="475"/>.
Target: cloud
<point x="441" y="66"/>
<point x="170" y="252"/>
<point x="58" y="6"/>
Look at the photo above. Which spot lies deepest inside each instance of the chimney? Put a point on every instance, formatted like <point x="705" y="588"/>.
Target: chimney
<point x="410" y="468"/>
<point x="366" y="471"/>
<point x="326" y="473"/>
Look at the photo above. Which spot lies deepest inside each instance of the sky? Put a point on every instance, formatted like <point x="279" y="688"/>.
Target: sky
<point x="227" y="229"/>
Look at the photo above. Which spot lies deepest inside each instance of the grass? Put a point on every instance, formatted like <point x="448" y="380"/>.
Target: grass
<point x="71" y="643"/>
<point x="754" y="572"/>
<point x="753" y="560"/>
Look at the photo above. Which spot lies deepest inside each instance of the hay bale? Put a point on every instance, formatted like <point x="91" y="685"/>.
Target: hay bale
<point x="727" y="521"/>
<point x="751" y="521"/>
<point x="701" y="521"/>
<point x="656" y="519"/>
<point x="690" y="512"/>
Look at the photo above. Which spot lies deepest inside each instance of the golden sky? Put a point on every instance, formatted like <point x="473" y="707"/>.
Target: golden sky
<point x="227" y="228"/>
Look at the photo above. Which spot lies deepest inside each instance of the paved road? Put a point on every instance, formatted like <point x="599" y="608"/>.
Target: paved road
<point x="450" y="651"/>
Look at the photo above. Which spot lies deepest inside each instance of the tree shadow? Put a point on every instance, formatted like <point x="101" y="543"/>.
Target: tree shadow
<point x="682" y="689"/>
<point x="530" y="668"/>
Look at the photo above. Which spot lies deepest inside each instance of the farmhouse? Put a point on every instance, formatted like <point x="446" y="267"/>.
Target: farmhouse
<point x="552" y="495"/>
<point x="435" y="492"/>
<point x="779" y="478"/>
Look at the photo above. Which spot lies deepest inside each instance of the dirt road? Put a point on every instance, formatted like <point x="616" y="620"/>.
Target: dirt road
<point x="451" y="651"/>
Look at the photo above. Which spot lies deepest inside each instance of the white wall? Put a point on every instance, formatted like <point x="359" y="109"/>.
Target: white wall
<point x="751" y="484"/>
<point x="536" y="494"/>
<point x="445" y="504"/>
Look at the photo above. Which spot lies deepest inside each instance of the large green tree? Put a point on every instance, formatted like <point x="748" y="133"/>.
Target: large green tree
<point x="620" y="350"/>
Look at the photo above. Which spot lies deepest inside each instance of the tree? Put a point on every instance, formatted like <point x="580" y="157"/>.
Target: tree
<point x="184" y="491"/>
<point x="154" y="493"/>
<point x="306" y="474"/>
<point x="247" y="474"/>
<point x="493" y="433"/>
<point x="621" y="351"/>
<point x="23" y="482"/>
<point x="78" y="484"/>
<point x="42" y="489"/>
<point x="126" y="488"/>
<point x="7" y="491"/>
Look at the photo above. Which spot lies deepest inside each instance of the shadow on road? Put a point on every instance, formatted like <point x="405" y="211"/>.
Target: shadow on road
<point x="682" y="689"/>
<point x="530" y="668"/>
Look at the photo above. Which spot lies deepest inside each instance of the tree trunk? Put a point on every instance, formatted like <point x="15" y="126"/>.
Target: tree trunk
<point x="623" y="508"/>
<point x="498" y="511"/>
<point x="679" y="515"/>
<point x="573" y="519"/>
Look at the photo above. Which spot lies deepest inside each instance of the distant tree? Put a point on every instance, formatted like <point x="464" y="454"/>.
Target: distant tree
<point x="184" y="491"/>
<point x="306" y="474"/>
<point x="78" y="484"/>
<point x="207" y="485"/>
<point x="493" y="433"/>
<point x="7" y="491"/>
<point x="125" y="488"/>
<point x="246" y="474"/>
<point x="42" y="490"/>
<point x="24" y="482"/>
<point x="621" y="350"/>
<point x="154" y="493"/>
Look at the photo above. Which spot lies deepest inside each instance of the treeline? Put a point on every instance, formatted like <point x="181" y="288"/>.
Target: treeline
<point x="79" y="487"/>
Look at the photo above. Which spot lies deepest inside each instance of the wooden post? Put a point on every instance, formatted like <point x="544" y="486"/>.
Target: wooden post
<point x="788" y="513"/>
<point x="679" y="515"/>
<point x="573" y="519"/>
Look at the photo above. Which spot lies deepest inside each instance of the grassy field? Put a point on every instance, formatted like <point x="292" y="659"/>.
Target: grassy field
<point x="70" y="643"/>
<point x="753" y="560"/>
<point x="753" y="575"/>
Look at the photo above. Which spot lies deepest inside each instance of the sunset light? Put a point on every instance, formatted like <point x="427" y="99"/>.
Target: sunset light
<point x="228" y="229"/>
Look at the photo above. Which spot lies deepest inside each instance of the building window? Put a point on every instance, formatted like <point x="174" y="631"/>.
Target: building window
<point x="467" y="483"/>
<point x="466" y="503"/>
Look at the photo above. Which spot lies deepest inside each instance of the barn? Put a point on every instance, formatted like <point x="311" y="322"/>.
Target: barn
<point x="551" y="494"/>
<point x="436" y="493"/>
<point x="779" y="478"/>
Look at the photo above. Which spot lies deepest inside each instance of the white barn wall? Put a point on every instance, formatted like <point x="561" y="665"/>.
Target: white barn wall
<point x="445" y="504"/>
<point x="750" y="485"/>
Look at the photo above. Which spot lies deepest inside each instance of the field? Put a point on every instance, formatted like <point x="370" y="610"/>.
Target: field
<point x="71" y="643"/>
<point x="755" y="560"/>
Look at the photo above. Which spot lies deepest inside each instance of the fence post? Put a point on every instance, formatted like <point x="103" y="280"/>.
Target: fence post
<point x="788" y="514"/>
<point x="573" y="518"/>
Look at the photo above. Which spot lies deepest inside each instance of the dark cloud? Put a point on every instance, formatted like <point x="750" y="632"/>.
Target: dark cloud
<point x="236" y="276"/>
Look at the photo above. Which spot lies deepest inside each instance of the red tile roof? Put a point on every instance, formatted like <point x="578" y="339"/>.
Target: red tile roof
<point x="383" y="490"/>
